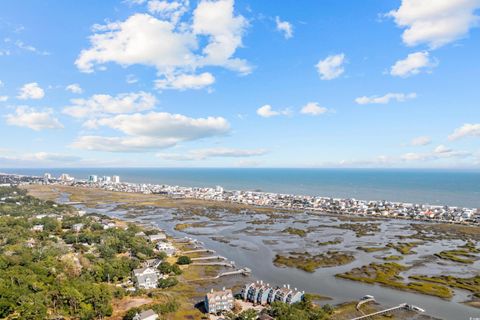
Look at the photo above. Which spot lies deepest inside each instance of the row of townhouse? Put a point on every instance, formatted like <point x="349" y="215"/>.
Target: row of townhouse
<point x="262" y="293"/>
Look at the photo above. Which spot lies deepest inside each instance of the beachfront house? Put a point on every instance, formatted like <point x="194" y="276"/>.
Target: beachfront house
<point x="146" y="315"/>
<point x="219" y="301"/>
<point x="145" y="278"/>
<point x="166" y="247"/>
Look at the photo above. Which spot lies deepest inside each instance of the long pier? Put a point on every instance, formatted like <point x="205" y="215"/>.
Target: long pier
<point x="209" y="258"/>
<point x="199" y="251"/>
<point x="244" y="271"/>
<point x="223" y="264"/>
<point x="381" y="312"/>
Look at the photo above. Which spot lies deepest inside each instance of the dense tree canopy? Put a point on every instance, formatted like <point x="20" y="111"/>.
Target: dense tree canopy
<point x="304" y="310"/>
<point x="58" y="272"/>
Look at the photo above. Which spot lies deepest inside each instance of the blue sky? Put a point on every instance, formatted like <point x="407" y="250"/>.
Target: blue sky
<point x="223" y="83"/>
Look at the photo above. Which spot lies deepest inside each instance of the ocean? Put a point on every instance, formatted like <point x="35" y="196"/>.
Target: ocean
<point x="443" y="187"/>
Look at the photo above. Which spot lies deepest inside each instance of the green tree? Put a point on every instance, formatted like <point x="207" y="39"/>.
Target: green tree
<point x="168" y="282"/>
<point x="250" y="314"/>
<point x="131" y="313"/>
<point x="184" y="260"/>
<point x="6" y="308"/>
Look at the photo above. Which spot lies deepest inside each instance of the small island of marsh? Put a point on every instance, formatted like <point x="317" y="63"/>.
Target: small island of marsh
<point x="404" y="247"/>
<point x="295" y="231"/>
<point x="361" y="229"/>
<point x="463" y="254"/>
<point x="308" y="262"/>
<point x="371" y="249"/>
<point x="388" y="274"/>
<point x="392" y="258"/>
<point x="329" y="242"/>
<point x="471" y="284"/>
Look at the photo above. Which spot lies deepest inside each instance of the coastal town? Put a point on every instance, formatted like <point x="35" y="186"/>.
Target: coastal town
<point x="377" y="208"/>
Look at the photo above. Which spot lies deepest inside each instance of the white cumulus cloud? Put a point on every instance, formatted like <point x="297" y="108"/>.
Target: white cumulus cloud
<point x="313" y="108"/>
<point x="399" y="97"/>
<point x="217" y="21"/>
<point x="33" y="119"/>
<point x="141" y="39"/>
<point x="100" y="104"/>
<point x="170" y="10"/>
<point x="3" y="98"/>
<point x="413" y="64"/>
<point x="31" y="90"/>
<point x="210" y="38"/>
<point x="74" y="88"/>
<point x="154" y="130"/>
<point x="186" y="81"/>
<point x="440" y="152"/>
<point x="284" y="27"/>
<point x="442" y="149"/>
<point x="421" y="141"/>
<point x="468" y="129"/>
<point x="266" y="111"/>
<point x="435" y="22"/>
<point x="331" y="67"/>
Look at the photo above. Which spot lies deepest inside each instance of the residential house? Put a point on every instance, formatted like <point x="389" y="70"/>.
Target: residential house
<point x="157" y="237"/>
<point x="108" y="224"/>
<point x="219" y="301"/>
<point x="166" y="247"/>
<point x="77" y="227"/>
<point x="146" y="315"/>
<point x="30" y="243"/>
<point x="152" y="263"/>
<point x="145" y="278"/>
<point x="38" y="227"/>
<point x="140" y="234"/>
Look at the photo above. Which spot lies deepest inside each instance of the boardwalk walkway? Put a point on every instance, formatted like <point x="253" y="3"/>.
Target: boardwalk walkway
<point x="223" y="264"/>
<point x="199" y="251"/>
<point x="381" y="312"/>
<point x="209" y="258"/>
<point x="244" y="271"/>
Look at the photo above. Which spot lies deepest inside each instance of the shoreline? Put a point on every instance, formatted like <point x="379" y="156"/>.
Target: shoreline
<point x="281" y="201"/>
<point x="293" y="210"/>
<point x="415" y="185"/>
